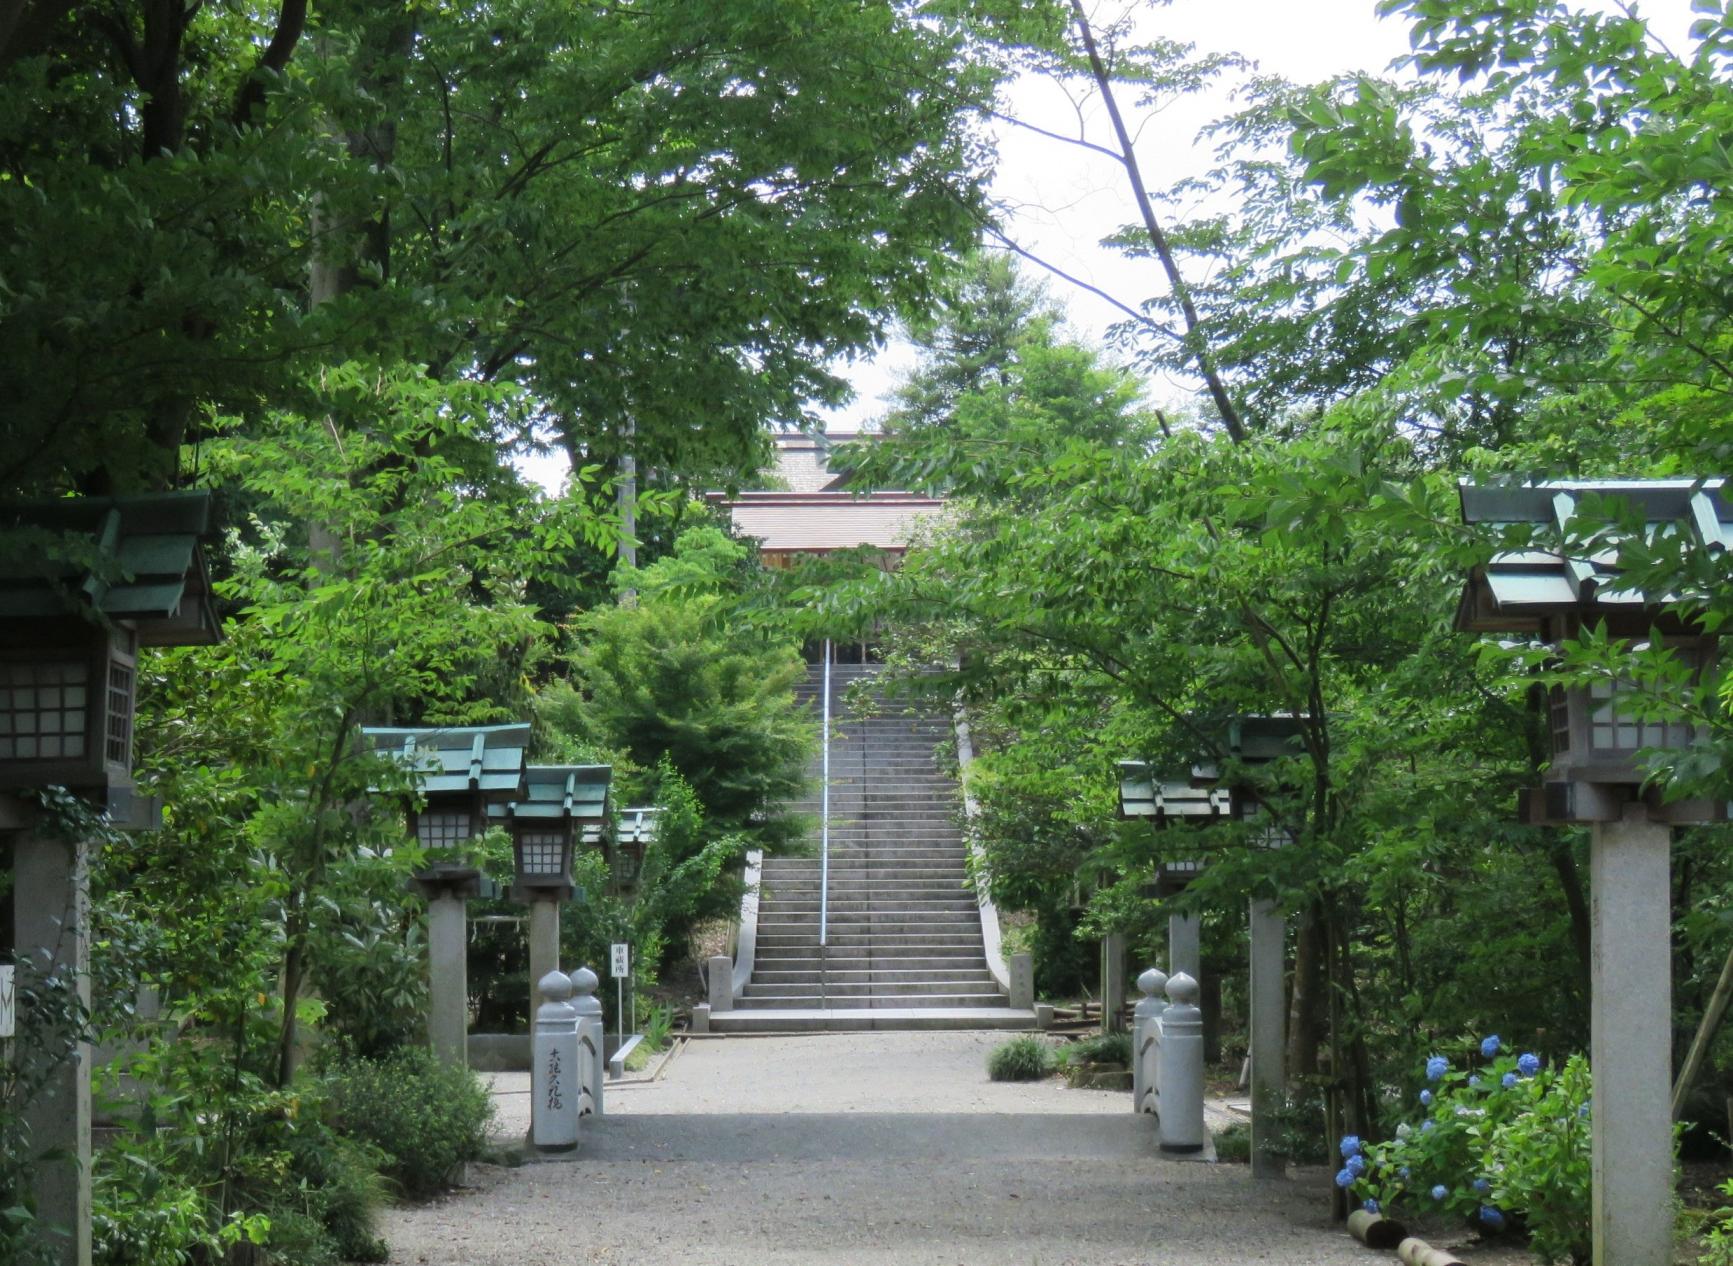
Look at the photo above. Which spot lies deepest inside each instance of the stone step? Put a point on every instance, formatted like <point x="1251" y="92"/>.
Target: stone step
<point x="873" y="975"/>
<point x="934" y="956"/>
<point x="813" y="999"/>
<point x="855" y="969"/>
<point x="837" y="990"/>
<point x="872" y="1019"/>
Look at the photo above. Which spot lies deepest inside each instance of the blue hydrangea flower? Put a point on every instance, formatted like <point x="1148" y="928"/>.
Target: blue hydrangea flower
<point x="1482" y="1186"/>
<point x="1436" y="1067"/>
<point x="1440" y="1191"/>
<point x="1427" y="1126"/>
<point x="1344" y="1179"/>
<point x="1371" y="1206"/>
<point x="1474" y="1082"/>
<point x="1356" y="1165"/>
<point x="1528" y="1065"/>
<point x="1350" y="1144"/>
<point x="1508" y="1080"/>
<point x="1425" y="1098"/>
<point x="1489" y="1045"/>
<point x="1491" y="1218"/>
<point x="1583" y="1111"/>
<point x="1404" y="1172"/>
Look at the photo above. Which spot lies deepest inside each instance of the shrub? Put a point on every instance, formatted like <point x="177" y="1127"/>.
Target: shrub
<point x="1108" y="1048"/>
<point x="1234" y="1144"/>
<point x="426" y="1116"/>
<point x="1020" y="1059"/>
<point x="1506" y="1140"/>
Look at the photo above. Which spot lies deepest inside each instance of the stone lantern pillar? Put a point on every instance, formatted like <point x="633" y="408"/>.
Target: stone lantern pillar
<point x="447" y="889"/>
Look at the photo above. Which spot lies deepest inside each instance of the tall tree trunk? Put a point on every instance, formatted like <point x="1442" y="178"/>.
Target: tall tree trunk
<point x="1307" y="996"/>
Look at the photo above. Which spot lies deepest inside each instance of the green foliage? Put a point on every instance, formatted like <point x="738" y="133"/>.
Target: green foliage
<point x="1020" y="1059"/>
<point x="1105" y="1048"/>
<point x="425" y="1117"/>
<point x="679" y="675"/>
<point x="1505" y="1139"/>
<point x="1718" y="1240"/>
<point x="1234" y="1144"/>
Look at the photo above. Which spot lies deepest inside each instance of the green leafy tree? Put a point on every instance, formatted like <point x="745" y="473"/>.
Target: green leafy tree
<point x="681" y="674"/>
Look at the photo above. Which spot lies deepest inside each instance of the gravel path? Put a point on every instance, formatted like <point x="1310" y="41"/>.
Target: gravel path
<point x="882" y="1149"/>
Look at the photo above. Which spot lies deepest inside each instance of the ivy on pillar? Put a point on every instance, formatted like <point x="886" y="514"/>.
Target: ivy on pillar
<point x="1564" y="585"/>
<point x="102" y="578"/>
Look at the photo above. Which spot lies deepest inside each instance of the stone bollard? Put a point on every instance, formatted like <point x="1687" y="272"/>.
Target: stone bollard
<point x="1181" y="1069"/>
<point x="1112" y="982"/>
<point x="721" y="984"/>
<point x="1145" y="1046"/>
<point x="554" y="1073"/>
<point x="1022" y="982"/>
<point x="592" y="1059"/>
<point x="701" y="1018"/>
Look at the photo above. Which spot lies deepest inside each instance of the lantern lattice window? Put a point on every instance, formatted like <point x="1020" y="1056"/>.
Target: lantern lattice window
<point x="542" y="852"/>
<point x="1559" y="719"/>
<point x="119" y="713"/>
<point x="443" y="830"/>
<point x="1612" y="730"/>
<point x="43" y="710"/>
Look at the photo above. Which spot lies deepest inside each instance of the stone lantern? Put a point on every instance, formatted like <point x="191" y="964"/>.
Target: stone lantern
<point x="557" y="805"/>
<point x="1545" y="594"/>
<point x="1554" y="592"/>
<point x="1203" y="800"/>
<point x="105" y="577"/>
<point x="458" y="772"/>
<point x="632" y="836"/>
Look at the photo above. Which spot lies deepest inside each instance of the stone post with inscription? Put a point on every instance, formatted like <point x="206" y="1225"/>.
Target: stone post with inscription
<point x="592" y="1058"/>
<point x="554" y="1075"/>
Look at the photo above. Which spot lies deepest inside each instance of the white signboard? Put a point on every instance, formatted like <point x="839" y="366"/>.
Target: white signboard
<point x="621" y="961"/>
<point x="8" y="1021"/>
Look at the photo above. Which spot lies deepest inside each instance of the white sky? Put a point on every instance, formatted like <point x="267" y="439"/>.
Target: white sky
<point x="1064" y="199"/>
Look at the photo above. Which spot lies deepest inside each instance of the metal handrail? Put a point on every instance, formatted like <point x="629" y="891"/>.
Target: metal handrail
<point x="824" y="848"/>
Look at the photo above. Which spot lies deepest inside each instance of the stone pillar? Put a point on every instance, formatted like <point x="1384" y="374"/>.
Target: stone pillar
<point x="592" y="1055"/>
<point x="721" y="984"/>
<point x="1152" y="984"/>
<point x="1180" y="1125"/>
<point x="544" y="943"/>
<point x="1268" y="1015"/>
<point x="1112" y="982"/>
<point x="1630" y="919"/>
<point x="50" y="903"/>
<point x="1184" y="952"/>
<point x="1022" y="982"/>
<point x="554" y="1066"/>
<point x="446" y="890"/>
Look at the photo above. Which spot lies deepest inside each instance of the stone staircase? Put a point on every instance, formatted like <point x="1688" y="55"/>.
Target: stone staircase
<point x="904" y="947"/>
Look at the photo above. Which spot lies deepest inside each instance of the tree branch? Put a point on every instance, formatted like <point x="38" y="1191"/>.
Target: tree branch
<point x="1225" y="407"/>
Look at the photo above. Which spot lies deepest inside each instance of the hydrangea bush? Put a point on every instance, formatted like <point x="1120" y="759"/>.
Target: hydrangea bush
<point x="1505" y="1140"/>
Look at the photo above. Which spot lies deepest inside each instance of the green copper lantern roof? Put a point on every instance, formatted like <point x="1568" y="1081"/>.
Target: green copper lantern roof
<point x="459" y="758"/>
<point x="559" y="792"/>
<point x="1142" y="795"/>
<point x="1515" y="589"/>
<point x="136" y="560"/>
<point x="636" y="826"/>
